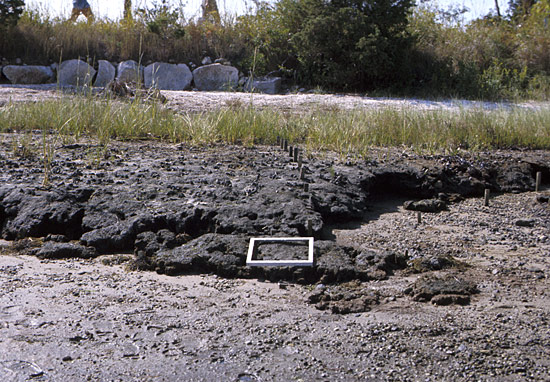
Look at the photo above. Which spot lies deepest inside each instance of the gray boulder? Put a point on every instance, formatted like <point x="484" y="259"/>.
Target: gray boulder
<point x="28" y="74"/>
<point x="167" y="76"/>
<point x="129" y="71"/>
<point x="75" y="73"/>
<point x="269" y="85"/>
<point x="105" y="73"/>
<point x="215" y="77"/>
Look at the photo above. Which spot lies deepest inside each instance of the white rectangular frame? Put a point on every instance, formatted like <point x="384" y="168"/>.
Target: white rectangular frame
<point x="279" y="263"/>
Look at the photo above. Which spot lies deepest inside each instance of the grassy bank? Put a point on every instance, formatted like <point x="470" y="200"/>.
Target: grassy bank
<point x="345" y="132"/>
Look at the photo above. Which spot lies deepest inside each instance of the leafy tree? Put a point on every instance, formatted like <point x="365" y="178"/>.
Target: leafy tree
<point x="351" y="44"/>
<point x="162" y="20"/>
<point x="10" y="12"/>
<point x="518" y="8"/>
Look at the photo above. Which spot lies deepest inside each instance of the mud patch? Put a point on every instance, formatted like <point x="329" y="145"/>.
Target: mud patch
<point x="434" y="263"/>
<point x="442" y="290"/>
<point x="344" y="298"/>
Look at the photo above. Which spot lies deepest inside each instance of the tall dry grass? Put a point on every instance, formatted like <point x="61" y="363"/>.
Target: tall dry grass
<point x="39" y="39"/>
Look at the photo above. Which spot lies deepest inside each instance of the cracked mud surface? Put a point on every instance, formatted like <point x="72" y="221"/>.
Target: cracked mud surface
<point x="130" y="265"/>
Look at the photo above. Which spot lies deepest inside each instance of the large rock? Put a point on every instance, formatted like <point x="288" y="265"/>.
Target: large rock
<point x="164" y="76"/>
<point x="271" y="85"/>
<point x="105" y="73"/>
<point x="129" y="71"/>
<point x="28" y="74"/>
<point x="75" y="73"/>
<point x="215" y="77"/>
<point x="188" y="210"/>
<point x="117" y="237"/>
<point x="343" y="300"/>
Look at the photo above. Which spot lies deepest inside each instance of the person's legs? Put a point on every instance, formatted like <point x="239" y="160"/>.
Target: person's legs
<point x="88" y="13"/>
<point x="74" y="14"/>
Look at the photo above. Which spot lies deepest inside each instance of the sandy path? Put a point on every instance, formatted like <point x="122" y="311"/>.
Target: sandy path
<point x="195" y="101"/>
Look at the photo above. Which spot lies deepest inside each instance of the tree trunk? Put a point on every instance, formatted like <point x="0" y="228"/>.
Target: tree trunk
<point x="498" y="9"/>
<point x="210" y="11"/>
<point x="127" y="9"/>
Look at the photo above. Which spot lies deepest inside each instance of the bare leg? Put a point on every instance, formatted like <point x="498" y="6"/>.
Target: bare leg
<point x="88" y="13"/>
<point x="74" y="14"/>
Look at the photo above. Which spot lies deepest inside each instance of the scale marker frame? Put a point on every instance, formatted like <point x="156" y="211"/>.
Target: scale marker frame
<point x="279" y="263"/>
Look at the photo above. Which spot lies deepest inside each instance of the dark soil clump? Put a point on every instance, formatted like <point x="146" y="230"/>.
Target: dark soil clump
<point x="446" y="290"/>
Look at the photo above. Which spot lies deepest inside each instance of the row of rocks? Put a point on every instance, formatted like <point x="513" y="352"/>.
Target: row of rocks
<point x="159" y="75"/>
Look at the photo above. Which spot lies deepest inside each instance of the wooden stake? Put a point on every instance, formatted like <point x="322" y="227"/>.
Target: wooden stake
<point x="309" y="227"/>
<point x="291" y="151"/>
<point x="419" y="217"/>
<point x="302" y="173"/>
<point x="285" y="145"/>
<point x="487" y="194"/>
<point x="306" y="187"/>
<point x="296" y="151"/>
<point x="538" y="180"/>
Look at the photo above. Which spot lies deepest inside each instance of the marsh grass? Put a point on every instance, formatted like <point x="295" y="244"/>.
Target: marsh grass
<point x="347" y="132"/>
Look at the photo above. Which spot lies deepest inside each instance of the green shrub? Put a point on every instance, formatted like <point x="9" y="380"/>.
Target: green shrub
<point x="350" y="44"/>
<point x="162" y="20"/>
<point x="490" y="58"/>
<point x="267" y="31"/>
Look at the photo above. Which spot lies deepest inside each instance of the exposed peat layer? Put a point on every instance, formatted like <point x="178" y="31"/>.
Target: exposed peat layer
<point x="457" y="293"/>
<point x="182" y="210"/>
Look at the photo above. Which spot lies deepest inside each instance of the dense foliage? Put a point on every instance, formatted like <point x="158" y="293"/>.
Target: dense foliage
<point x="348" y="44"/>
<point x="10" y="12"/>
<point x="383" y="46"/>
<point x="518" y="8"/>
<point x="490" y="58"/>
